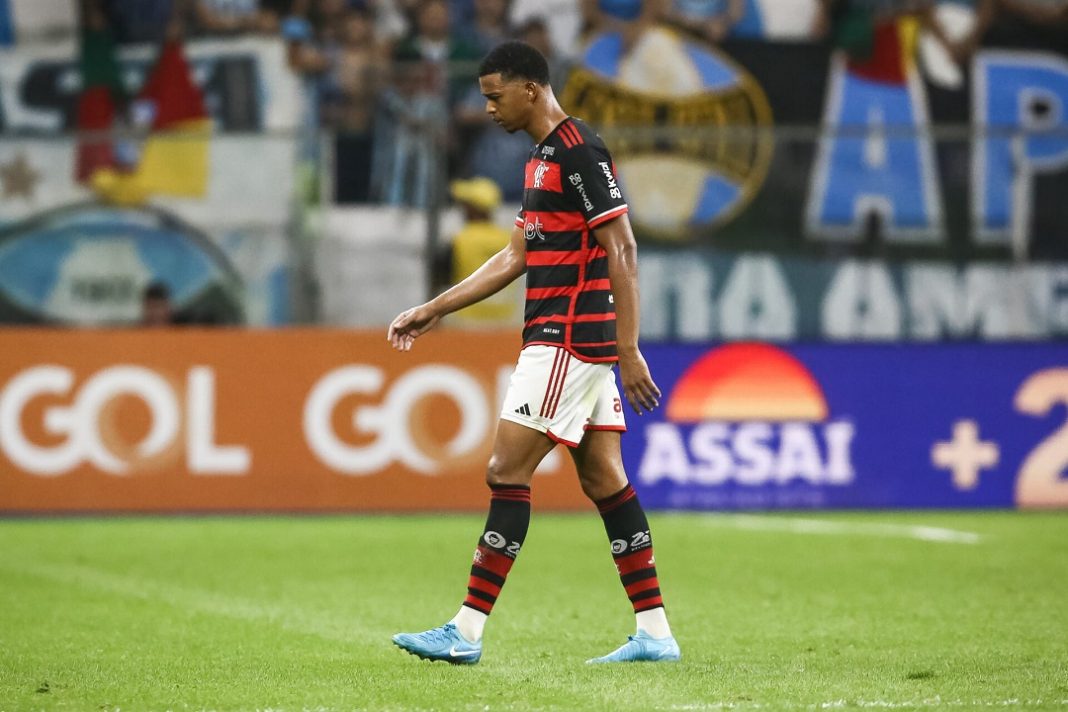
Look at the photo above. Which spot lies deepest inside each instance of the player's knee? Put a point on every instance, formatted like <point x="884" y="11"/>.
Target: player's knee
<point x="498" y="472"/>
<point x="600" y="479"/>
<point x="595" y="490"/>
<point x="589" y="487"/>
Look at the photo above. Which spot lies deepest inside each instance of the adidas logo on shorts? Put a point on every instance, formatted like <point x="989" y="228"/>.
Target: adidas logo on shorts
<point x="523" y="409"/>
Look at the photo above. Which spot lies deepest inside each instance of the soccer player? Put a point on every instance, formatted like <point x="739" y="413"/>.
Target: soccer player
<point x="573" y="239"/>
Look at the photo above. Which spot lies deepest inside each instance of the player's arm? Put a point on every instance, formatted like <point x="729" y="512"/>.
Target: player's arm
<point x="495" y="274"/>
<point x="617" y="239"/>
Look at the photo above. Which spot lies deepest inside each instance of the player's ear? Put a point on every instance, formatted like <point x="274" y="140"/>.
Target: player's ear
<point x="532" y="91"/>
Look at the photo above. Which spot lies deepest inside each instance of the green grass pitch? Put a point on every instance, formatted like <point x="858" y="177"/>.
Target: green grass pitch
<point x="920" y="610"/>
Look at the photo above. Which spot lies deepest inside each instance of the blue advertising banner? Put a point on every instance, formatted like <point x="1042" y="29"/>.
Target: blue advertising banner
<point x="760" y="426"/>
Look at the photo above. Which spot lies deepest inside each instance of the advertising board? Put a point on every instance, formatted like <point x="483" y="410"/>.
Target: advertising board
<point x="319" y="420"/>
<point x="296" y="420"/>
<point x="757" y="426"/>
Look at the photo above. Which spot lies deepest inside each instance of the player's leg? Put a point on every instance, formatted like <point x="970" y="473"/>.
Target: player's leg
<point x="550" y="397"/>
<point x="517" y="451"/>
<point x="599" y="462"/>
<point x="600" y="467"/>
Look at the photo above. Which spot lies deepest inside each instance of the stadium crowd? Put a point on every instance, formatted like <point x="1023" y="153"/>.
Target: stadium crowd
<point x="394" y="80"/>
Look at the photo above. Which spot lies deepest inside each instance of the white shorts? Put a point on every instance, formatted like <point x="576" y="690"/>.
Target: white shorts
<point x="562" y="396"/>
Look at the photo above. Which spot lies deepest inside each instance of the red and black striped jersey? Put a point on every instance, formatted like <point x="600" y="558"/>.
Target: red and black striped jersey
<point x="570" y="189"/>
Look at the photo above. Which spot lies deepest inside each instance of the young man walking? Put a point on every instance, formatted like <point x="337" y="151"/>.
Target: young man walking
<point x="574" y="242"/>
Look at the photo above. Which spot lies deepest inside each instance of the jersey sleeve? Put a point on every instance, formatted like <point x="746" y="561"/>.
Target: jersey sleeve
<point x="590" y="182"/>
<point x="521" y="217"/>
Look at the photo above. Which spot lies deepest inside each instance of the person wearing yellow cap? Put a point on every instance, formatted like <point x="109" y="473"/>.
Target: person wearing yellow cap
<point x="477" y="241"/>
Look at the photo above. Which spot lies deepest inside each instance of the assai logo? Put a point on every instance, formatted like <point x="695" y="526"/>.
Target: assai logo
<point x="749" y="414"/>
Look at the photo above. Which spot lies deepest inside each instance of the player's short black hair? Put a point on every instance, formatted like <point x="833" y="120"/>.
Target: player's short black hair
<point x="516" y="60"/>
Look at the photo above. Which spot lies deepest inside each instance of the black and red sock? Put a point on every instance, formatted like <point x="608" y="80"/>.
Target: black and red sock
<point x="506" y="528"/>
<point x="632" y="548"/>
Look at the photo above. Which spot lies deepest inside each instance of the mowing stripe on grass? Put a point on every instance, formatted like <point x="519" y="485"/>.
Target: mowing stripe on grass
<point x="927" y="703"/>
<point x="287" y="618"/>
<point x="796" y="525"/>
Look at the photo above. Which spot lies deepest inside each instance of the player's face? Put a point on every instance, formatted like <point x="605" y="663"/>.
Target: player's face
<point x="508" y="103"/>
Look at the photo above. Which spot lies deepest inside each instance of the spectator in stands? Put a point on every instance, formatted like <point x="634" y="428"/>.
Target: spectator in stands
<point x="311" y="30"/>
<point x="231" y="17"/>
<point x="565" y="20"/>
<point x="479" y="239"/>
<point x="280" y="8"/>
<point x="140" y="21"/>
<point x="433" y="43"/>
<point x="409" y="136"/>
<point x="322" y="19"/>
<point x="535" y="32"/>
<point x="327" y="17"/>
<point x="488" y="151"/>
<point x="710" y="20"/>
<point x="488" y="26"/>
<point x="353" y="84"/>
<point x="410" y="8"/>
<point x="156" y="307"/>
<point x="629" y="18"/>
<point x="308" y="57"/>
<point x="390" y="23"/>
<point x="430" y="39"/>
<point x="432" y="69"/>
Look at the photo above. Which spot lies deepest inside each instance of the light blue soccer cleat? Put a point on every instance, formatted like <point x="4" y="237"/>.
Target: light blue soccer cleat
<point x="643" y="648"/>
<point x="444" y="643"/>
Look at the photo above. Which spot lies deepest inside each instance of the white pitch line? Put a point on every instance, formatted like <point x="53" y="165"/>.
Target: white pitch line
<point x="796" y="525"/>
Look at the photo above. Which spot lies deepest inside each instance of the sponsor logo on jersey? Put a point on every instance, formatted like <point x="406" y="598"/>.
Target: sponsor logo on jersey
<point x="613" y="188"/>
<point x="576" y="180"/>
<point x="533" y="229"/>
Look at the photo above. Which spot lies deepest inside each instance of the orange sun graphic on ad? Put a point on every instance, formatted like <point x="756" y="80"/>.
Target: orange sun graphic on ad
<point x="747" y="381"/>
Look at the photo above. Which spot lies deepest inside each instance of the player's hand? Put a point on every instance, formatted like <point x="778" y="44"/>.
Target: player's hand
<point x="638" y="386"/>
<point x="410" y="324"/>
